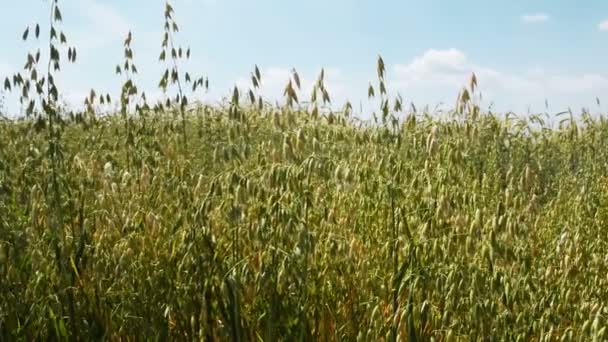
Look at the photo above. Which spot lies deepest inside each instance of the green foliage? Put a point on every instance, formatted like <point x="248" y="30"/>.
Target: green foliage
<point x="460" y="227"/>
<point x="296" y="222"/>
<point x="172" y="75"/>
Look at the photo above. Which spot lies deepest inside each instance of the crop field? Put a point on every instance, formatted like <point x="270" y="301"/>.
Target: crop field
<point x="247" y="221"/>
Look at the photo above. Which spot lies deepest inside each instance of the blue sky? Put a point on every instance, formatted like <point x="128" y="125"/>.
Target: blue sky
<point x="523" y="52"/>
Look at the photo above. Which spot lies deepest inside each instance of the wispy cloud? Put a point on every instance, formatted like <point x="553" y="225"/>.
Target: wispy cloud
<point x="535" y="18"/>
<point x="603" y="26"/>
<point x="105" y="25"/>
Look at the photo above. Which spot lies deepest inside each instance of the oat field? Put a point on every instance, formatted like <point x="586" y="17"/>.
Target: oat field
<point x="254" y="222"/>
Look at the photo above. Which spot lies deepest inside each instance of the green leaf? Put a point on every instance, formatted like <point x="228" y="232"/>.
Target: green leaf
<point x="370" y="91"/>
<point x="326" y="98"/>
<point x="348" y="107"/>
<point x="61" y="329"/>
<point x="465" y="97"/>
<point x="54" y="93"/>
<point x="30" y="108"/>
<point x="58" y="14"/>
<point x="397" y="106"/>
<point x="473" y="84"/>
<point x="26" y="33"/>
<point x="380" y="67"/>
<point x="287" y="87"/>
<point x="128" y="39"/>
<point x="235" y="95"/>
<point x="258" y="75"/>
<point x="296" y="78"/>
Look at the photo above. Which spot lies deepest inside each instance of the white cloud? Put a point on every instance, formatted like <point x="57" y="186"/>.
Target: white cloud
<point x="438" y="66"/>
<point x="437" y="75"/>
<point x="435" y="78"/>
<point x="105" y="26"/>
<point x="535" y="18"/>
<point x="603" y="26"/>
<point x="106" y="17"/>
<point x="435" y="63"/>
